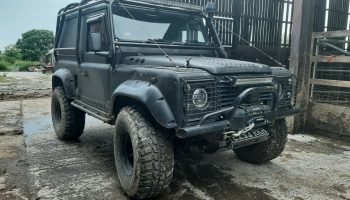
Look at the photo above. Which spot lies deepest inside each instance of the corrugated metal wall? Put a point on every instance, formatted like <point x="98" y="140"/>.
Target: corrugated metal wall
<point x="265" y="23"/>
<point x="320" y="13"/>
<point x="338" y="13"/>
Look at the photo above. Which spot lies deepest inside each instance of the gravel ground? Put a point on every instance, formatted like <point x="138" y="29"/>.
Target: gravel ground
<point x="311" y="167"/>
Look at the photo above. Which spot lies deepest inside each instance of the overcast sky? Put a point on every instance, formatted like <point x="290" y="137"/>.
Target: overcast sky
<point x="19" y="16"/>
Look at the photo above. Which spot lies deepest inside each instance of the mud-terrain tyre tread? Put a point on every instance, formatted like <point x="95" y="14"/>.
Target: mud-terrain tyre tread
<point x="72" y="122"/>
<point x="153" y="155"/>
<point x="267" y="150"/>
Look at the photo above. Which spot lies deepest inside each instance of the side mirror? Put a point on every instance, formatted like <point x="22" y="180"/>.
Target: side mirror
<point x="95" y="42"/>
<point x="211" y="8"/>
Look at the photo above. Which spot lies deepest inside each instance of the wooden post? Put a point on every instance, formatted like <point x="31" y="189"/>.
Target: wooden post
<point x="303" y="19"/>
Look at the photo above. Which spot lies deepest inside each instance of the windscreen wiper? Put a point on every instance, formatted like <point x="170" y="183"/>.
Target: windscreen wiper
<point x="158" y="40"/>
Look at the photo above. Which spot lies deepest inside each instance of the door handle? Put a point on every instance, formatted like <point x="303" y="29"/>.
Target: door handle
<point x="85" y="74"/>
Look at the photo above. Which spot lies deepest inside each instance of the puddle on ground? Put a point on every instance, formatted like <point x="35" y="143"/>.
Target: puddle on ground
<point x="37" y="125"/>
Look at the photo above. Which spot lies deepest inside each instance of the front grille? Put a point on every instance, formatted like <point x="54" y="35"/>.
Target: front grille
<point x="229" y="93"/>
<point x="222" y="94"/>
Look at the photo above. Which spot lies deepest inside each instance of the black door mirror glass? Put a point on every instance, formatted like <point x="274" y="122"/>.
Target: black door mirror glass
<point x="95" y="42"/>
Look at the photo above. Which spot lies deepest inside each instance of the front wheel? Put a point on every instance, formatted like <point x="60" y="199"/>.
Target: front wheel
<point x="144" y="157"/>
<point x="268" y="150"/>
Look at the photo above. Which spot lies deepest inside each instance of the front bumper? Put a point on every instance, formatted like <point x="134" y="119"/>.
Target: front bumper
<point x="236" y="118"/>
<point x="243" y="121"/>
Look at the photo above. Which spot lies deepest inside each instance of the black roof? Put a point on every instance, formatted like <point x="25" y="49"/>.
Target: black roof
<point x="166" y="4"/>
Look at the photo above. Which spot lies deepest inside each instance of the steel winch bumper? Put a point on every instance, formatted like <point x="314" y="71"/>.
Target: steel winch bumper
<point x="235" y="120"/>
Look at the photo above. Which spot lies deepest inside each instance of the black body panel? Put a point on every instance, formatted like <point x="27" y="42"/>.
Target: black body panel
<point x="217" y="66"/>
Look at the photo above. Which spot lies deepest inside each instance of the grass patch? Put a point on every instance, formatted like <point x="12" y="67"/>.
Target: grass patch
<point x="24" y="65"/>
<point x="4" y="66"/>
<point x="18" y="65"/>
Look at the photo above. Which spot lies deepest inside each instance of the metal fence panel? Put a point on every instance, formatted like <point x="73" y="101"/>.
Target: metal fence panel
<point x="330" y="82"/>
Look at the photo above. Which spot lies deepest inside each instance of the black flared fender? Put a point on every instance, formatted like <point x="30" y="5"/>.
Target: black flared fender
<point x="150" y="96"/>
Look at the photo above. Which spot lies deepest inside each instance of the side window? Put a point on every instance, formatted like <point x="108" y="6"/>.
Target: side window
<point x="68" y="34"/>
<point x="97" y="26"/>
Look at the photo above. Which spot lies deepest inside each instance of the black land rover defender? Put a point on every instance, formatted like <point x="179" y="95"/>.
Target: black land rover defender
<point x="157" y="71"/>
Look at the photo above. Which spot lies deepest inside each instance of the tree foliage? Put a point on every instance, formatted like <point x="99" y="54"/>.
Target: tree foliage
<point x="35" y="43"/>
<point x="11" y="54"/>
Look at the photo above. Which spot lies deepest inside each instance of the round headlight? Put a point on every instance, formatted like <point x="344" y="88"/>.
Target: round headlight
<point x="200" y="98"/>
<point x="290" y="81"/>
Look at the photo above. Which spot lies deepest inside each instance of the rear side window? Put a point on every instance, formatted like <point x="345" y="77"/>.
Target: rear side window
<point x="68" y="34"/>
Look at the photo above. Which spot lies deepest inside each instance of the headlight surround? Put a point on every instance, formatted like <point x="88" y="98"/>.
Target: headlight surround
<point x="279" y="89"/>
<point x="200" y="98"/>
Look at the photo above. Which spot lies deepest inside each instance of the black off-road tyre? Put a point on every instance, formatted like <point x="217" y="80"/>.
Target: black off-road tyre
<point x="67" y="120"/>
<point x="144" y="157"/>
<point x="268" y="150"/>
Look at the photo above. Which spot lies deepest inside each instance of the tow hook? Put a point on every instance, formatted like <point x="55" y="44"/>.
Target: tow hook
<point x="240" y="132"/>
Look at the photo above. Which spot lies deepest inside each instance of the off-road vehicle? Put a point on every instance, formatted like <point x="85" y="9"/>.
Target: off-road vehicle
<point x="157" y="71"/>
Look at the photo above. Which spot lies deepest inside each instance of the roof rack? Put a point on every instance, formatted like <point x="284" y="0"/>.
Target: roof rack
<point x="68" y="7"/>
<point x="83" y="2"/>
<point x="167" y="3"/>
<point x="74" y="5"/>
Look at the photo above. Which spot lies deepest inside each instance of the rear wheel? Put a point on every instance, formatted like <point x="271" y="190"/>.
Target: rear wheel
<point x="144" y="157"/>
<point x="67" y="120"/>
<point x="268" y="150"/>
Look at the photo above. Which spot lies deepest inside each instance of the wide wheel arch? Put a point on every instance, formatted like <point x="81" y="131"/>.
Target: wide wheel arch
<point x="65" y="79"/>
<point x="147" y="95"/>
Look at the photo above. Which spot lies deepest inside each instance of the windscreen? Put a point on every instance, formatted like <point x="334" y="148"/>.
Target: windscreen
<point x="148" y="25"/>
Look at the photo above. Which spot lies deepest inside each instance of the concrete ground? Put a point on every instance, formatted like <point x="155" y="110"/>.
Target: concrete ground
<point x="41" y="167"/>
<point x="36" y="165"/>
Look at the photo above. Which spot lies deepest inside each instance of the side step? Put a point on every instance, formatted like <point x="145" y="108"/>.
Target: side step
<point x="254" y="136"/>
<point x="93" y="112"/>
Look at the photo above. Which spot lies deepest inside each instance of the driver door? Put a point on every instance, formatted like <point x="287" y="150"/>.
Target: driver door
<point x="95" y="67"/>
